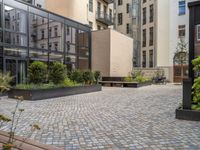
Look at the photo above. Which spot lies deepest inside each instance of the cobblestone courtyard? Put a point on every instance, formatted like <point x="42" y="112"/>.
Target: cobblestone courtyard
<point x="115" y="118"/>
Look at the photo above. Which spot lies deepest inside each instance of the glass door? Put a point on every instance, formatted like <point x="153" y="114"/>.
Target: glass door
<point x="11" y="68"/>
<point x="22" y="65"/>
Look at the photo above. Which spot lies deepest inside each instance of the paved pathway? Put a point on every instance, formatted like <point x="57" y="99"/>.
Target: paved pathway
<point x="115" y="118"/>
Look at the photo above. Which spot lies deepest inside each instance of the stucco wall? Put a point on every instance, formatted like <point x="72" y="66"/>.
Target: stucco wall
<point x="111" y="53"/>
<point x="121" y="54"/>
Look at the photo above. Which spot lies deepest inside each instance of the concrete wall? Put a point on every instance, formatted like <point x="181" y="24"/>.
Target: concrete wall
<point x="111" y="53"/>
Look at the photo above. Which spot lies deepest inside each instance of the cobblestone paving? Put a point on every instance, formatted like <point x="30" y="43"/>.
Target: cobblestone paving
<point x="115" y="118"/>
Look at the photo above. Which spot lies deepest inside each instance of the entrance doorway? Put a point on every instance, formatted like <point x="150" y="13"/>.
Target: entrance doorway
<point x="17" y="69"/>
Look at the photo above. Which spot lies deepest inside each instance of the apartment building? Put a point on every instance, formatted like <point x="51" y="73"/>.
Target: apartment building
<point x="164" y="23"/>
<point x="127" y="21"/>
<point x="37" y="3"/>
<point x="98" y="14"/>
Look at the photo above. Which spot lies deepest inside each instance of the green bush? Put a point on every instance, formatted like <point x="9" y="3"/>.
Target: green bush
<point x="68" y="82"/>
<point x="196" y="85"/>
<point x="76" y="76"/>
<point x="37" y="72"/>
<point x="128" y="79"/>
<point x="97" y="76"/>
<point x="57" y="73"/>
<point x="88" y="77"/>
<point x="37" y="86"/>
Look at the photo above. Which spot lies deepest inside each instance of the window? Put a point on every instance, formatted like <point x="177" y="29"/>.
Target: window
<point x="50" y="46"/>
<point x="198" y="32"/>
<point x="144" y="59"/>
<point x="144" y="1"/>
<point x="42" y="46"/>
<point x="91" y="24"/>
<point x="182" y="7"/>
<point x="56" y="46"/>
<point x="98" y="8"/>
<point x="151" y="36"/>
<point x="120" y="2"/>
<point x="181" y="30"/>
<point x="110" y="14"/>
<point x="98" y="27"/>
<point x="42" y="34"/>
<point x="39" y="6"/>
<point x="127" y="8"/>
<point x="151" y="58"/>
<point x="120" y="19"/>
<point x="144" y="38"/>
<point x="151" y="13"/>
<point x="91" y="5"/>
<point x="68" y="30"/>
<point x="144" y="15"/>
<point x="127" y="28"/>
<point x="50" y="32"/>
<point x="56" y="31"/>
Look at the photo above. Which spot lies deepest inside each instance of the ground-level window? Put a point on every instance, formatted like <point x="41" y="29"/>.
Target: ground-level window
<point x="181" y="30"/>
<point x="144" y="59"/>
<point x="198" y="32"/>
<point x="151" y="58"/>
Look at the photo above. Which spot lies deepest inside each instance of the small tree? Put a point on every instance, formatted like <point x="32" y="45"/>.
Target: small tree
<point x="57" y="73"/>
<point x="37" y="72"/>
<point x="180" y="56"/>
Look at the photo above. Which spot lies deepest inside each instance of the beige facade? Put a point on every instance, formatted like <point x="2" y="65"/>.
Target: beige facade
<point x="112" y="53"/>
<point x="96" y="13"/>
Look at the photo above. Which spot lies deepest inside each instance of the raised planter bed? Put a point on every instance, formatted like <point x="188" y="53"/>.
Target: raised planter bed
<point x="53" y="93"/>
<point x="124" y="84"/>
<point x="187" y="114"/>
<point x="22" y="144"/>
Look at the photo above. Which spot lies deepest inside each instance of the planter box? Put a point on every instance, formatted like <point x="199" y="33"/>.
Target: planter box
<point x="24" y="145"/>
<point x="186" y="114"/>
<point x="53" y="93"/>
<point x="124" y="84"/>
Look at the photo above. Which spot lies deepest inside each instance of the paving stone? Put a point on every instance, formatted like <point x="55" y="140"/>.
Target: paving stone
<point x="116" y="118"/>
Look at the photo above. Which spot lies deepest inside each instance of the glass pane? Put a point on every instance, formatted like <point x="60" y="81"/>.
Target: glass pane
<point x="9" y="17"/>
<point x="83" y="63"/>
<point x="10" y="51"/>
<point x="70" y="34"/>
<point x="56" y="36"/>
<point x="0" y="16"/>
<point x="56" y="57"/>
<point x="38" y="27"/>
<point x="39" y="55"/>
<point x="1" y="36"/>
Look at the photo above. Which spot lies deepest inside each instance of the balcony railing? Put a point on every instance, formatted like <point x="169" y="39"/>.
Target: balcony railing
<point x="108" y="1"/>
<point x="104" y="18"/>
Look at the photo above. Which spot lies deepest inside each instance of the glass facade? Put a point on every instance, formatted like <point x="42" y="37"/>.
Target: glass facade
<point x="28" y="33"/>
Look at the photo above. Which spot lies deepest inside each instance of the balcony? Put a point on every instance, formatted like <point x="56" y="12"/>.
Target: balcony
<point x="104" y="18"/>
<point x="108" y="1"/>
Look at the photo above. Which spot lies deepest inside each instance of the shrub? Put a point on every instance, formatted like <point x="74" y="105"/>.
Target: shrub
<point x="196" y="85"/>
<point x="68" y="82"/>
<point x="57" y="73"/>
<point x="5" y="80"/>
<point x="88" y="77"/>
<point x="128" y="79"/>
<point x="76" y="76"/>
<point x="97" y="76"/>
<point x="37" y="86"/>
<point x="37" y="72"/>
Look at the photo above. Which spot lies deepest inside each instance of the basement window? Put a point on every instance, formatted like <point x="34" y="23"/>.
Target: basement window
<point x="198" y="32"/>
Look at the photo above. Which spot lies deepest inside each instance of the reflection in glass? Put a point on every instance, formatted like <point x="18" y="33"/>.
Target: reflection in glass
<point x="38" y="28"/>
<point x="10" y="51"/>
<point x="83" y="63"/>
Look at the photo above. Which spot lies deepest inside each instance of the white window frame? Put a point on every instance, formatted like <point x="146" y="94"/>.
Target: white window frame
<point x="198" y="33"/>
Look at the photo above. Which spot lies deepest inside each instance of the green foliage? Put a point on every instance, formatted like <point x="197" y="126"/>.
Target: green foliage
<point x="5" y="80"/>
<point x="57" y="73"/>
<point x="196" y="63"/>
<point x="196" y="85"/>
<point x="97" y="76"/>
<point x="129" y="79"/>
<point x="88" y="77"/>
<point x="37" y="86"/>
<point x="196" y="107"/>
<point x="76" y="76"/>
<point x="69" y="83"/>
<point x="37" y="72"/>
